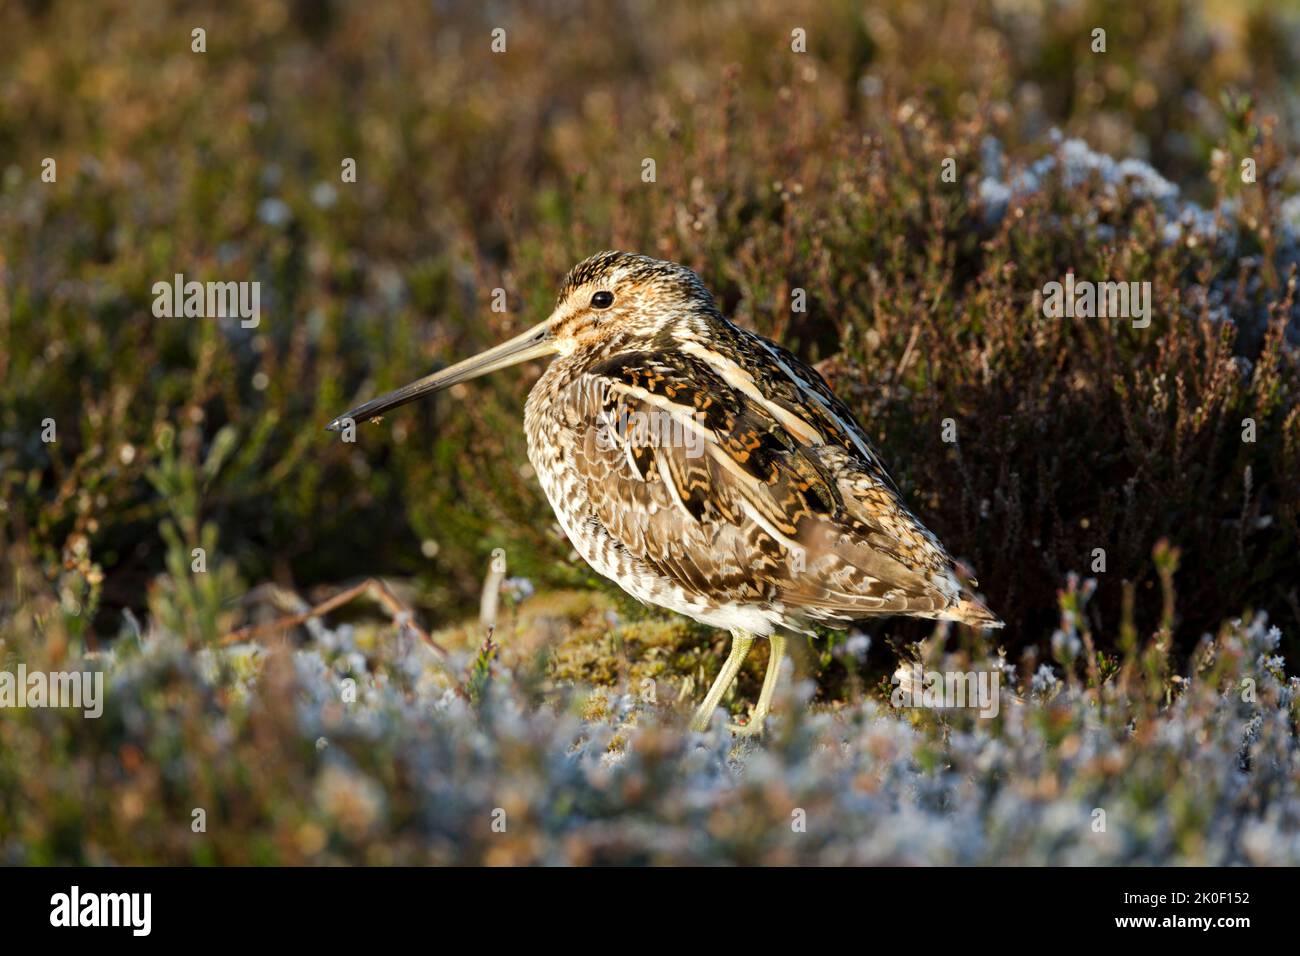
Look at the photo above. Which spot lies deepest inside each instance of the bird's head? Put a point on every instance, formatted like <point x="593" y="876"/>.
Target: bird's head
<point x="610" y="298"/>
<point x="621" y="296"/>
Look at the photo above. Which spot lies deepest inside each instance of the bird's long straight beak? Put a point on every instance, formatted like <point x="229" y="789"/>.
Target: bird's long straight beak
<point x="532" y="344"/>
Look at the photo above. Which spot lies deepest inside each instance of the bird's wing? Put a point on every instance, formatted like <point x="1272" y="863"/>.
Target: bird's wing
<point x="732" y="489"/>
<point x="786" y="381"/>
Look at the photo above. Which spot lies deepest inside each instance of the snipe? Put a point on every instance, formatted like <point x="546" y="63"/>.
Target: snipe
<point x="709" y="471"/>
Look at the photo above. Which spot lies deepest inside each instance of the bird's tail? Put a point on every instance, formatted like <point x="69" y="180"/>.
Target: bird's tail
<point x="972" y="611"/>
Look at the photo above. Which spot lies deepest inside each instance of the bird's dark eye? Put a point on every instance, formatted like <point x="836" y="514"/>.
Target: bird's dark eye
<point x="602" y="300"/>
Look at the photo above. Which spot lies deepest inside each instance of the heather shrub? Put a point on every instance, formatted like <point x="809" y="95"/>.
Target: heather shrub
<point x="288" y="768"/>
<point x="775" y="171"/>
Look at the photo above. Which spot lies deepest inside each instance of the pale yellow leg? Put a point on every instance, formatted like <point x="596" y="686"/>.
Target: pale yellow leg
<point x="741" y="642"/>
<point x="755" y="724"/>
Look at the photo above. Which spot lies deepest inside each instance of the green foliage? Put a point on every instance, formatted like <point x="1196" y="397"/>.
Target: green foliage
<point x="480" y="675"/>
<point x="776" y="170"/>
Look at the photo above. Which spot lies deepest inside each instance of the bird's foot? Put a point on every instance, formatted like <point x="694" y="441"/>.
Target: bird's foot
<point x="753" y="727"/>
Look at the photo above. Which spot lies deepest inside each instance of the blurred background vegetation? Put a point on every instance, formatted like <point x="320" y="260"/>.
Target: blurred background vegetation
<point x="775" y="170"/>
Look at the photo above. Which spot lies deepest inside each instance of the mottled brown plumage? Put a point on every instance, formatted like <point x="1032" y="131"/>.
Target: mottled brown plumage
<point x="709" y="471"/>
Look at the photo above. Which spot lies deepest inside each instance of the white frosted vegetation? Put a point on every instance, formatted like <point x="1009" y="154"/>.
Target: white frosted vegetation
<point x="1076" y="164"/>
<point x="413" y="771"/>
